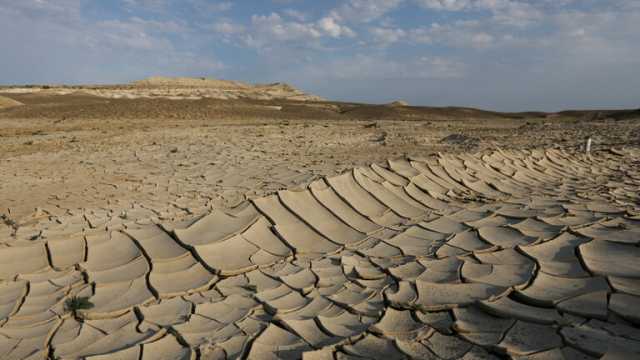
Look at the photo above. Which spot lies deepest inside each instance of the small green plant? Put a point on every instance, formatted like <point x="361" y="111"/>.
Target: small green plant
<point x="76" y="303"/>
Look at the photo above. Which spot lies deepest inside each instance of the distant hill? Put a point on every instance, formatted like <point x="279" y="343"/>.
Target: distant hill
<point x="190" y="88"/>
<point x="190" y="82"/>
<point x="224" y="89"/>
<point x="175" y="88"/>
<point x="603" y="114"/>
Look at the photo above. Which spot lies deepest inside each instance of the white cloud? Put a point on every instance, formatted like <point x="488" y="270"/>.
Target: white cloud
<point x="329" y="26"/>
<point x="629" y="4"/>
<point x="228" y="27"/>
<point x="130" y="35"/>
<point x="595" y="37"/>
<point x="364" y="10"/>
<point x="461" y="34"/>
<point x="482" y="40"/>
<point x="274" y="27"/>
<point x="68" y="10"/>
<point x="386" y="36"/>
<point x="509" y="12"/>
<point x="514" y="13"/>
<point x="206" y="6"/>
<point x="367" y="66"/>
<point x="449" y="5"/>
<point x="270" y="30"/>
<point x="150" y="5"/>
<point x="81" y="50"/>
<point x="420" y="36"/>
<point x="221" y="6"/>
<point x="169" y="26"/>
<point x="295" y="14"/>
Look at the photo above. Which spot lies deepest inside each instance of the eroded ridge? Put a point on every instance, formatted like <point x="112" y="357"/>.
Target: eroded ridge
<point x="527" y="255"/>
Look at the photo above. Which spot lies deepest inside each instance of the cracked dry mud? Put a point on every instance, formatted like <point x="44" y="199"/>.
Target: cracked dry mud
<point x="503" y="254"/>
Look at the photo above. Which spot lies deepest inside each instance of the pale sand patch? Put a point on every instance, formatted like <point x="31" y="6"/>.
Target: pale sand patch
<point x="6" y="103"/>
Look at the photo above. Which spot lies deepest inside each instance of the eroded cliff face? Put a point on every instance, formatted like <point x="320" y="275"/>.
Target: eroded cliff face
<point x="177" y="88"/>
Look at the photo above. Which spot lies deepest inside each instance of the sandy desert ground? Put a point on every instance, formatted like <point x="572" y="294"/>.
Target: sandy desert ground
<point x="154" y="221"/>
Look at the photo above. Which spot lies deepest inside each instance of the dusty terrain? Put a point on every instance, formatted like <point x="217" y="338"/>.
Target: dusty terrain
<point x="150" y="221"/>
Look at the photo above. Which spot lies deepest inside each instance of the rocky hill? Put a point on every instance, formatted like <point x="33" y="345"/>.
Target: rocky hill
<point x="176" y="88"/>
<point x="155" y="81"/>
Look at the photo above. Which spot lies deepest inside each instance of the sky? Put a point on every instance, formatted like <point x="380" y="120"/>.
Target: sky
<point x="506" y="55"/>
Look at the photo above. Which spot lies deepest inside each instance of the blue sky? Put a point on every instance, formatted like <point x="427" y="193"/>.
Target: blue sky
<point x="510" y="55"/>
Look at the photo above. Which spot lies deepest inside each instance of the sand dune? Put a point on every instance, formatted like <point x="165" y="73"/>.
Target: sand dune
<point x="529" y="255"/>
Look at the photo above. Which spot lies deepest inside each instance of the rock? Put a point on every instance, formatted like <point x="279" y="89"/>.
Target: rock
<point x="460" y="139"/>
<point x="398" y="103"/>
